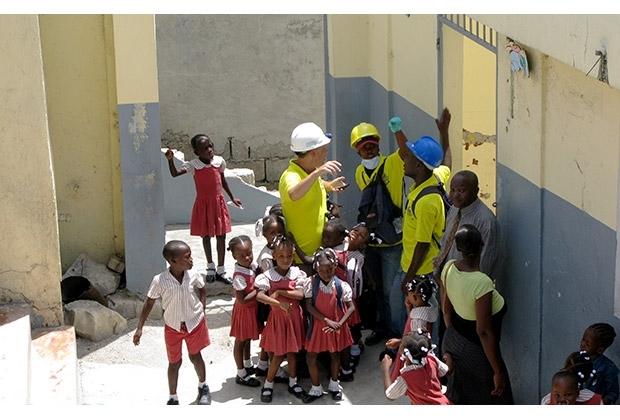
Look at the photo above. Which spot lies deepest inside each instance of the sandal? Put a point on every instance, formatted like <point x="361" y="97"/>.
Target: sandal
<point x="266" y="395"/>
<point x="336" y="395"/>
<point x="247" y="381"/>
<point x="297" y="391"/>
<point x="308" y="398"/>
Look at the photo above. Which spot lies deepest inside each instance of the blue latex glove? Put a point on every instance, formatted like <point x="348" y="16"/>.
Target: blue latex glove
<point x="395" y="124"/>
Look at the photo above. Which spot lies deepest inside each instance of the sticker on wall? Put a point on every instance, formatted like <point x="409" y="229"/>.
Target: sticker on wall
<point x="518" y="58"/>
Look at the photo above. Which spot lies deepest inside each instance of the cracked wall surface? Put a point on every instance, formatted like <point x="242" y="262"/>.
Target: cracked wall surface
<point x="30" y="259"/>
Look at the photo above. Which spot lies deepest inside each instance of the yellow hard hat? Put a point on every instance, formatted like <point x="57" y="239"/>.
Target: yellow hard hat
<point x="363" y="130"/>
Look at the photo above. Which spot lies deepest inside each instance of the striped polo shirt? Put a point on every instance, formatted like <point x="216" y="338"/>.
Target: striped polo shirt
<point x="180" y="301"/>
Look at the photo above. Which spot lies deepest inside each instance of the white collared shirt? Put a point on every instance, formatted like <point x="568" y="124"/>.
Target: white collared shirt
<point x="179" y="301"/>
<point x="197" y="164"/>
<point x="239" y="282"/>
<point x="262" y="282"/>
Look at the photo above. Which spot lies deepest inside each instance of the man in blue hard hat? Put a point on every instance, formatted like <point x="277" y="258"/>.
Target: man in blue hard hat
<point x="423" y="219"/>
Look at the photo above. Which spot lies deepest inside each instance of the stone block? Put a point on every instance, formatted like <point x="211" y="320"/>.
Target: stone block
<point x="93" y="320"/>
<point x="256" y="165"/>
<point x="246" y="174"/>
<point x="275" y="167"/>
<point x="126" y="303"/>
<point x="100" y="276"/>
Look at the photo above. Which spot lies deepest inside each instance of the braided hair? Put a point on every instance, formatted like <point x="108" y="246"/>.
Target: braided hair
<point x="604" y="333"/>
<point x="580" y="364"/>
<point x="321" y="253"/>
<point x="282" y="241"/>
<point x="424" y="285"/>
<point x="415" y="346"/>
<point x="237" y="241"/>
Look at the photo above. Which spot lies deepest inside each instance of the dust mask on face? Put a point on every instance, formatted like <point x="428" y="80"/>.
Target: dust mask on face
<point x="371" y="164"/>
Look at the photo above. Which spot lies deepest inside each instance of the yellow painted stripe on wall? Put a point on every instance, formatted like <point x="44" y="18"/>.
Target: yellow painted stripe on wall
<point x="136" y="59"/>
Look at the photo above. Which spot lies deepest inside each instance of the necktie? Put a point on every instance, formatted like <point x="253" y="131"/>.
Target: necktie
<point x="449" y="241"/>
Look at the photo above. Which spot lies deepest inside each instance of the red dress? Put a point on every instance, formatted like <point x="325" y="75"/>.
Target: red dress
<point x="284" y="332"/>
<point x="327" y="304"/>
<point x="423" y="386"/>
<point x="244" y="323"/>
<point x="209" y="215"/>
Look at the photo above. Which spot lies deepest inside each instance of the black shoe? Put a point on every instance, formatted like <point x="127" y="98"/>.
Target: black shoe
<point x="336" y="395"/>
<point x="223" y="278"/>
<point x="346" y="377"/>
<point x="354" y="360"/>
<point x="280" y="380"/>
<point x="297" y="391"/>
<point x="259" y="372"/>
<point x="374" y="338"/>
<point x="172" y="401"/>
<point x="204" y="396"/>
<point x="309" y="398"/>
<point x="247" y="381"/>
<point x="266" y="395"/>
<point x="210" y="276"/>
<point x="250" y="370"/>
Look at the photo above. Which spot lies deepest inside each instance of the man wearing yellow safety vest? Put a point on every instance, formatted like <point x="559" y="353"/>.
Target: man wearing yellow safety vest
<point x="383" y="258"/>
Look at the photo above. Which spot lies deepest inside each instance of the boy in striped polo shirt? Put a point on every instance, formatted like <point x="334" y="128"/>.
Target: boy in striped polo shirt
<point x="183" y="297"/>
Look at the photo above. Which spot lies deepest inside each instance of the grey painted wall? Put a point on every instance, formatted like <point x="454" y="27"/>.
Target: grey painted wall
<point x="143" y="213"/>
<point x="352" y="100"/>
<point x="251" y="78"/>
<point x="558" y="278"/>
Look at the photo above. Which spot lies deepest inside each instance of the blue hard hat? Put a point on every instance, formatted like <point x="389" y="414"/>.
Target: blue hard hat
<point x="427" y="150"/>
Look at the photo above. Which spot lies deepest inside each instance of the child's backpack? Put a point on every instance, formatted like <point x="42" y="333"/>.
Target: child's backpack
<point x="342" y="272"/>
<point x="315" y="291"/>
<point x="377" y="210"/>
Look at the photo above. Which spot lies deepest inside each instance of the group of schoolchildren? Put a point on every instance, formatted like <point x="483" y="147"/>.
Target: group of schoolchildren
<point x="299" y="314"/>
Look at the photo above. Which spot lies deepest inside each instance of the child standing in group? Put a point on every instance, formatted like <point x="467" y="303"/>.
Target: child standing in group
<point x="183" y="297"/>
<point x="419" y="378"/>
<point x="422" y="313"/>
<point x="568" y="385"/>
<point x="329" y="302"/>
<point x="272" y="226"/>
<point x="209" y="215"/>
<point x="596" y="339"/>
<point x="283" y="336"/>
<point x="244" y="325"/>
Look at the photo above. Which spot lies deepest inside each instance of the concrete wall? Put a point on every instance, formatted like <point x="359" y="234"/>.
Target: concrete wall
<point x="84" y="135"/>
<point x="138" y="118"/>
<point x="379" y="66"/>
<point x="570" y="39"/>
<point x="558" y="146"/>
<point x="30" y="260"/>
<point x="245" y="80"/>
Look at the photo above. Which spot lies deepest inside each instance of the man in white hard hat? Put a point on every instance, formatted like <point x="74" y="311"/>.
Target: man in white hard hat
<point x="303" y="191"/>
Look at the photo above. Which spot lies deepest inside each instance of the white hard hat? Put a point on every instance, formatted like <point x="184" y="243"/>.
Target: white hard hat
<point x="308" y="136"/>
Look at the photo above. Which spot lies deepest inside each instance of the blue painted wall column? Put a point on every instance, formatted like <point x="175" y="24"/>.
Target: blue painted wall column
<point x="142" y="193"/>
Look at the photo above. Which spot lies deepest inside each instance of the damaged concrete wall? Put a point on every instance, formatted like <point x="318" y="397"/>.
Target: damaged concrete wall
<point x="30" y="258"/>
<point x="246" y="81"/>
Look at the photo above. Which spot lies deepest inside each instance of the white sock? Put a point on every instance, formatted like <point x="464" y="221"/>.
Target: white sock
<point x="174" y="397"/>
<point x="220" y="269"/>
<point x="247" y="363"/>
<point x="317" y="390"/>
<point x="201" y="384"/>
<point x="268" y="384"/>
<point x="263" y="364"/>
<point x="333" y="385"/>
<point x="355" y="350"/>
<point x="241" y="373"/>
<point x="292" y="381"/>
<point x="210" y="266"/>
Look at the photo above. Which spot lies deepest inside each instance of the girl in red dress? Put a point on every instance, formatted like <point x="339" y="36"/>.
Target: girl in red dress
<point x="419" y="377"/>
<point x="329" y="302"/>
<point x="244" y="325"/>
<point x="282" y="288"/>
<point x="209" y="215"/>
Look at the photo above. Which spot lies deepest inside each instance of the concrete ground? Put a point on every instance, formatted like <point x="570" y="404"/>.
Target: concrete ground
<point x="114" y="371"/>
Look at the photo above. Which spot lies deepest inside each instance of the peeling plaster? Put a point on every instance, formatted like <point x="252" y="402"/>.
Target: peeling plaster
<point x="147" y="180"/>
<point x="138" y="125"/>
